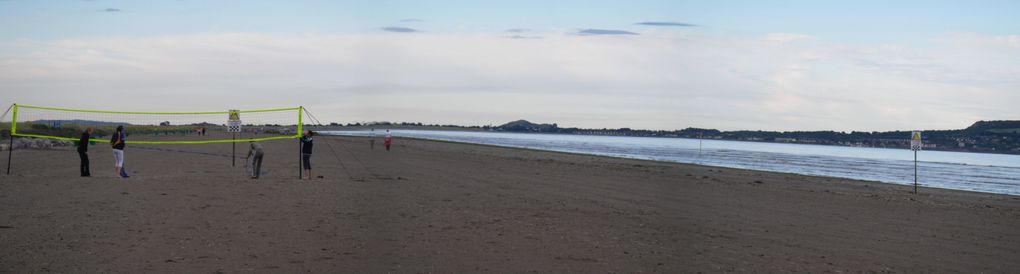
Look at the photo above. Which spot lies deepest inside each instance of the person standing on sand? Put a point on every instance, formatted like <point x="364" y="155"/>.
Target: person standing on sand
<point x="117" y="141"/>
<point x="83" y="152"/>
<point x="255" y="149"/>
<point x="306" y="154"/>
<point x="388" y="141"/>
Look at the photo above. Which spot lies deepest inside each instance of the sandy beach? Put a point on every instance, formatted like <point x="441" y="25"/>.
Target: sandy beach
<point x="437" y="207"/>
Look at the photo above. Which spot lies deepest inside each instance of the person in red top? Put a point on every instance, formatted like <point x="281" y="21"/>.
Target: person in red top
<point x="388" y="141"/>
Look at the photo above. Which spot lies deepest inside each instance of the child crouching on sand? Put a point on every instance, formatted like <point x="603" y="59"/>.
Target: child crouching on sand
<point x="255" y="150"/>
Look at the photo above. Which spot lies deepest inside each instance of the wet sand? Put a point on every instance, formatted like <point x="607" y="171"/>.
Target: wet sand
<point x="437" y="207"/>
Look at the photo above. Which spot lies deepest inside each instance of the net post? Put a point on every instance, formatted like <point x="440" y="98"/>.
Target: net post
<point x="14" y="121"/>
<point x="301" y="110"/>
<point x="10" y="153"/>
<point x="14" y="128"/>
<point x="233" y="150"/>
<point x="915" y="171"/>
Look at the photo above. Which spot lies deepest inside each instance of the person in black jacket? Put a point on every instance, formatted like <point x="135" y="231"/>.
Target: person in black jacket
<point x="83" y="152"/>
<point x="117" y="141"/>
<point x="306" y="154"/>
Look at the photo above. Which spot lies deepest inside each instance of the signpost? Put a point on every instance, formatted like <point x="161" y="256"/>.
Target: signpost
<point x="915" y="145"/>
<point x="234" y="126"/>
<point x="700" y="138"/>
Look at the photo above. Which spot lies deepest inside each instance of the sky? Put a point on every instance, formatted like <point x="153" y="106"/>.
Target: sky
<point x="731" y="65"/>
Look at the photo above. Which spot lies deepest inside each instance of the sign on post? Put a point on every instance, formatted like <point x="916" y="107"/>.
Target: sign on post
<point x="915" y="145"/>
<point x="915" y="141"/>
<point x="234" y="126"/>
<point x="234" y="121"/>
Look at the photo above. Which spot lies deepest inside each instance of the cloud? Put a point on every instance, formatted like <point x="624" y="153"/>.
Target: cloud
<point x="1011" y="40"/>
<point x="110" y="10"/>
<point x="605" y="32"/>
<point x="411" y="20"/>
<point x="980" y="41"/>
<point x="783" y="38"/>
<point x="666" y="24"/>
<point x="519" y="33"/>
<point x="399" y="29"/>
<point x="660" y="80"/>
<point x="518" y="36"/>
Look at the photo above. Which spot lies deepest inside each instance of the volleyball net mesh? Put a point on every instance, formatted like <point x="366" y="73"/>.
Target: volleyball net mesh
<point x="156" y="127"/>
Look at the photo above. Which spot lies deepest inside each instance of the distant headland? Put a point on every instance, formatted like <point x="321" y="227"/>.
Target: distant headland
<point x="982" y="136"/>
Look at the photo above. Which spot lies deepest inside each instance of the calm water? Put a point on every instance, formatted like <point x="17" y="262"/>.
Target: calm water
<point x="994" y="173"/>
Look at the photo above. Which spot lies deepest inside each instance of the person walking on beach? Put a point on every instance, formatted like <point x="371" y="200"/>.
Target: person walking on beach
<point x="306" y="154"/>
<point x="388" y="141"/>
<point x="117" y="141"/>
<point x="255" y="149"/>
<point x="83" y="152"/>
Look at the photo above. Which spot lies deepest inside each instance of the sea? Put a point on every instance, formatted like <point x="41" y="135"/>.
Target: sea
<point x="981" y="172"/>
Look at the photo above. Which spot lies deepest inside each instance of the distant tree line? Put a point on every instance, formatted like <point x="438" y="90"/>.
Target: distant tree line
<point x="982" y="136"/>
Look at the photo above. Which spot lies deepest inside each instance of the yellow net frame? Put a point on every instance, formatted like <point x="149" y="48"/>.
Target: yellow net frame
<point x="297" y="134"/>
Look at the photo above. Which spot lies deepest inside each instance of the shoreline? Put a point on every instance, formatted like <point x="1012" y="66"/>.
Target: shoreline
<point x="920" y="187"/>
<point x="362" y="128"/>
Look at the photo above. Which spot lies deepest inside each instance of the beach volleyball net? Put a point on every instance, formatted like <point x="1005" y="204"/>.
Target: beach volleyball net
<point x="144" y="127"/>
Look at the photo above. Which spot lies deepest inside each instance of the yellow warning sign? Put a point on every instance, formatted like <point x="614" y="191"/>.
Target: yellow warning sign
<point x="915" y="140"/>
<point x="234" y="122"/>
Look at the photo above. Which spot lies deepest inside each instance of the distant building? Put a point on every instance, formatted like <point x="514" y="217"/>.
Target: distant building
<point x="164" y="124"/>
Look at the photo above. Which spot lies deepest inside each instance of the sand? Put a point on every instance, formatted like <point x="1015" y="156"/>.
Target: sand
<point x="437" y="207"/>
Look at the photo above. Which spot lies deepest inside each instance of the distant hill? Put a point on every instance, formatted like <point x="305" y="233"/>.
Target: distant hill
<point x="982" y="136"/>
<point x="994" y="127"/>
<point x="525" y="126"/>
